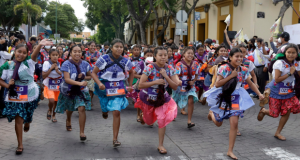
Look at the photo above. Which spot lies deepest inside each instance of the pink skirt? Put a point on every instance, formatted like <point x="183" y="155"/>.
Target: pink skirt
<point x="163" y="114"/>
<point x="134" y="94"/>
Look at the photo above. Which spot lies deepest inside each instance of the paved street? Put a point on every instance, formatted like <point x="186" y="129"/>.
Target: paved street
<point x="51" y="141"/>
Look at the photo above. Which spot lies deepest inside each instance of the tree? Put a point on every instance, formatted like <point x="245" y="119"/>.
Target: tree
<point x="183" y="7"/>
<point x="286" y="5"/>
<point x="8" y="19"/>
<point x="140" y="11"/>
<point x="28" y="9"/>
<point x="112" y="12"/>
<point x="67" y="22"/>
<point x="105" y="32"/>
<point x="80" y="26"/>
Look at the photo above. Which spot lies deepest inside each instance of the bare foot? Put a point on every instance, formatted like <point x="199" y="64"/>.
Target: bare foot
<point x="183" y="112"/>
<point x="26" y="127"/>
<point x="161" y="150"/>
<point x="231" y="155"/>
<point x="280" y="137"/>
<point x="209" y="116"/>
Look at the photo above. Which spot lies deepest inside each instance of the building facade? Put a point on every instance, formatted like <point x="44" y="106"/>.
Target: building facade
<point x="247" y="15"/>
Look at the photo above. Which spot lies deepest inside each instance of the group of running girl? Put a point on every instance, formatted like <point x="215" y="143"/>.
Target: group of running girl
<point x="158" y="82"/>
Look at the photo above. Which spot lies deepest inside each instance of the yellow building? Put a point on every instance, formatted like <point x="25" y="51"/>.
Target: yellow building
<point x="211" y="25"/>
<point x="83" y="35"/>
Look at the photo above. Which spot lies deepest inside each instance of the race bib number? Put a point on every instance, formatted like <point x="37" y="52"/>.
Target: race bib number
<point x="152" y="93"/>
<point x="22" y="92"/>
<point x="114" y="88"/>
<point x="54" y="84"/>
<point x="245" y="85"/>
<point x="201" y="77"/>
<point x="285" y="89"/>
<point x="184" y="85"/>
<point x="234" y="103"/>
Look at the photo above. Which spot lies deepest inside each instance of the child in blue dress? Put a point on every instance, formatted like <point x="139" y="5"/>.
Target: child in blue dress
<point x="227" y="99"/>
<point x="23" y="93"/>
<point x="74" y="94"/>
<point x="185" y="95"/>
<point x="110" y="72"/>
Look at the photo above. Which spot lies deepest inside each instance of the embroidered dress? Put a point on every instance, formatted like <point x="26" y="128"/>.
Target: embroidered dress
<point x="139" y="68"/>
<point x="89" y="56"/>
<point x="181" y="95"/>
<point x="134" y="63"/>
<point x="52" y="82"/>
<point x="71" y="104"/>
<point x="171" y="62"/>
<point x="45" y="54"/>
<point x="163" y="114"/>
<point x="27" y="89"/>
<point x="241" y="100"/>
<point x="282" y="96"/>
<point x="200" y="80"/>
<point x="112" y="77"/>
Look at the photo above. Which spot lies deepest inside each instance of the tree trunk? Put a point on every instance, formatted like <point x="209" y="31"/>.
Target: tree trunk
<point x="138" y="34"/>
<point x="29" y="26"/>
<point x="142" y="33"/>
<point x="283" y="9"/>
<point x="132" y="33"/>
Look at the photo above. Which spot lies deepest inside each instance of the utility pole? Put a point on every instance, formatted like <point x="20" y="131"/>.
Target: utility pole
<point x="56" y="22"/>
<point x="194" y="22"/>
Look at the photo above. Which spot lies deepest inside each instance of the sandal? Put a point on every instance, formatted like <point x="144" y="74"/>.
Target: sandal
<point x="190" y="125"/>
<point x="54" y="120"/>
<point x="69" y="128"/>
<point x="82" y="138"/>
<point x="19" y="152"/>
<point x="260" y="115"/>
<point x="142" y="119"/>
<point x="162" y="151"/>
<point x="204" y="101"/>
<point x="266" y="99"/>
<point x="105" y="115"/>
<point x="116" y="143"/>
<point x="48" y="115"/>
<point x="238" y="133"/>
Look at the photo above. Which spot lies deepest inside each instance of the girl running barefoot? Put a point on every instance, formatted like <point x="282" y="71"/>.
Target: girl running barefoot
<point x="227" y="99"/>
<point x="138" y="70"/>
<point x="74" y="95"/>
<point x="110" y="73"/>
<point x="52" y="79"/>
<point x="185" y="95"/>
<point x="153" y="100"/>
<point x="283" y="100"/>
<point x="23" y="93"/>
<point x="199" y="57"/>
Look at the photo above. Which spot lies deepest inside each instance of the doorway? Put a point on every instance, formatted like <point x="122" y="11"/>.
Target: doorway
<point x="201" y="32"/>
<point x="172" y="33"/>
<point x="151" y="38"/>
<point x="222" y="27"/>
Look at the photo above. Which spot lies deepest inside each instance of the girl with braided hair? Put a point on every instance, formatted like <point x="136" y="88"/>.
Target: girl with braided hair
<point x="185" y="94"/>
<point x="227" y="99"/>
<point x="154" y="100"/>
<point x="284" y="88"/>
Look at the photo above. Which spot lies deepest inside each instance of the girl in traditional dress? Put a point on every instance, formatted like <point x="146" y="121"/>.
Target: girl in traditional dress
<point x="154" y="101"/>
<point x="199" y="57"/>
<point x="227" y="99"/>
<point x="52" y="79"/>
<point x="283" y="100"/>
<point x="185" y="94"/>
<point x="23" y="93"/>
<point x="110" y="72"/>
<point x="74" y="95"/>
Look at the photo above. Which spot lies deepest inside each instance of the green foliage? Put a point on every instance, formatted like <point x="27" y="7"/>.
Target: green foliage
<point x="67" y="22"/>
<point x="105" y="32"/>
<point x="28" y="9"/>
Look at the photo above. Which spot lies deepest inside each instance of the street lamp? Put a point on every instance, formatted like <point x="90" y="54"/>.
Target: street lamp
<point x="235" y="3"/>
<point x="206" y="8"/>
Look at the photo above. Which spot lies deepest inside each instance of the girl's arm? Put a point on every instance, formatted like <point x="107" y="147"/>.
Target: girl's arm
<point x="221" y="81"/>
<point x="44" y="42"/>
<point x="278" y="78"/>
<point x="70" y="81"/>
<point x="130" y="79"/>
<point x="88" y="76"/>
<point x="46" y="74"/>
<point x="253" y="77"/>
<point x="95" y="77"/>
<point x="143" y="84"/>
<point x="208" y="68"/>
<point x="3" y="83"/>
<point x="254" y="88"/>
<point x="136" y="75"/>
<point x="227" y="38"/>
<point x="172" y="81"/>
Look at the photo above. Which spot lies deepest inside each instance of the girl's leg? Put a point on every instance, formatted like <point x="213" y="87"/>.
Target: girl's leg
<point x="82" y="118"/>
<point x="200" y="94"/>
<point x="92" y="95"/>
<point x="183" y="111"/>
<point x="232" y="135"/>
<point x="68" y="121"/>
<point x="138" y="117"/>
<point x="19" y="131"/>
<point x="282" y="122"/>
<point x="212" y="117"/>
<point x="116" y="124"/>
<point x="50" y="110"/>
<point x="190" y="108"/>
<point x="161" y="136"/>
<point x="53" y="112"/>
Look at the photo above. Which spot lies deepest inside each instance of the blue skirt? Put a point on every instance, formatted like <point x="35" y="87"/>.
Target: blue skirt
<point x="181" y="98"/>
<point x="66" y="103"/>
<point x="113" y="103"/>
<point x="245" y="102"/>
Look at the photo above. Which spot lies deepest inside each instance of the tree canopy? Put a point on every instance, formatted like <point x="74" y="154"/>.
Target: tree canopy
<point x="67" y="22"/>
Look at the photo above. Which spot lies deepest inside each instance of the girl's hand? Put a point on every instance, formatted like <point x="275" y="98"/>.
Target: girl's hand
<point x="179" y="83"/>
<point x="129" y="89"/>
<point x="11" y="82"/>
<point x="261" y="97"/>
<point x="56" y="68"/>
<point x="46" y="42"/>
<point x="234" y="73"/>
<point x="80" y="75"/>
<point x="191" y="83"/>
<point x="160" y="81"/>
<point x="163" y="72"/>
<point x="53" y="66"/>
<point x="84" y="83"/>
<point x="293" y="69"/>
<point x="101" y="86"/>
<point x="256" y="85"/>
